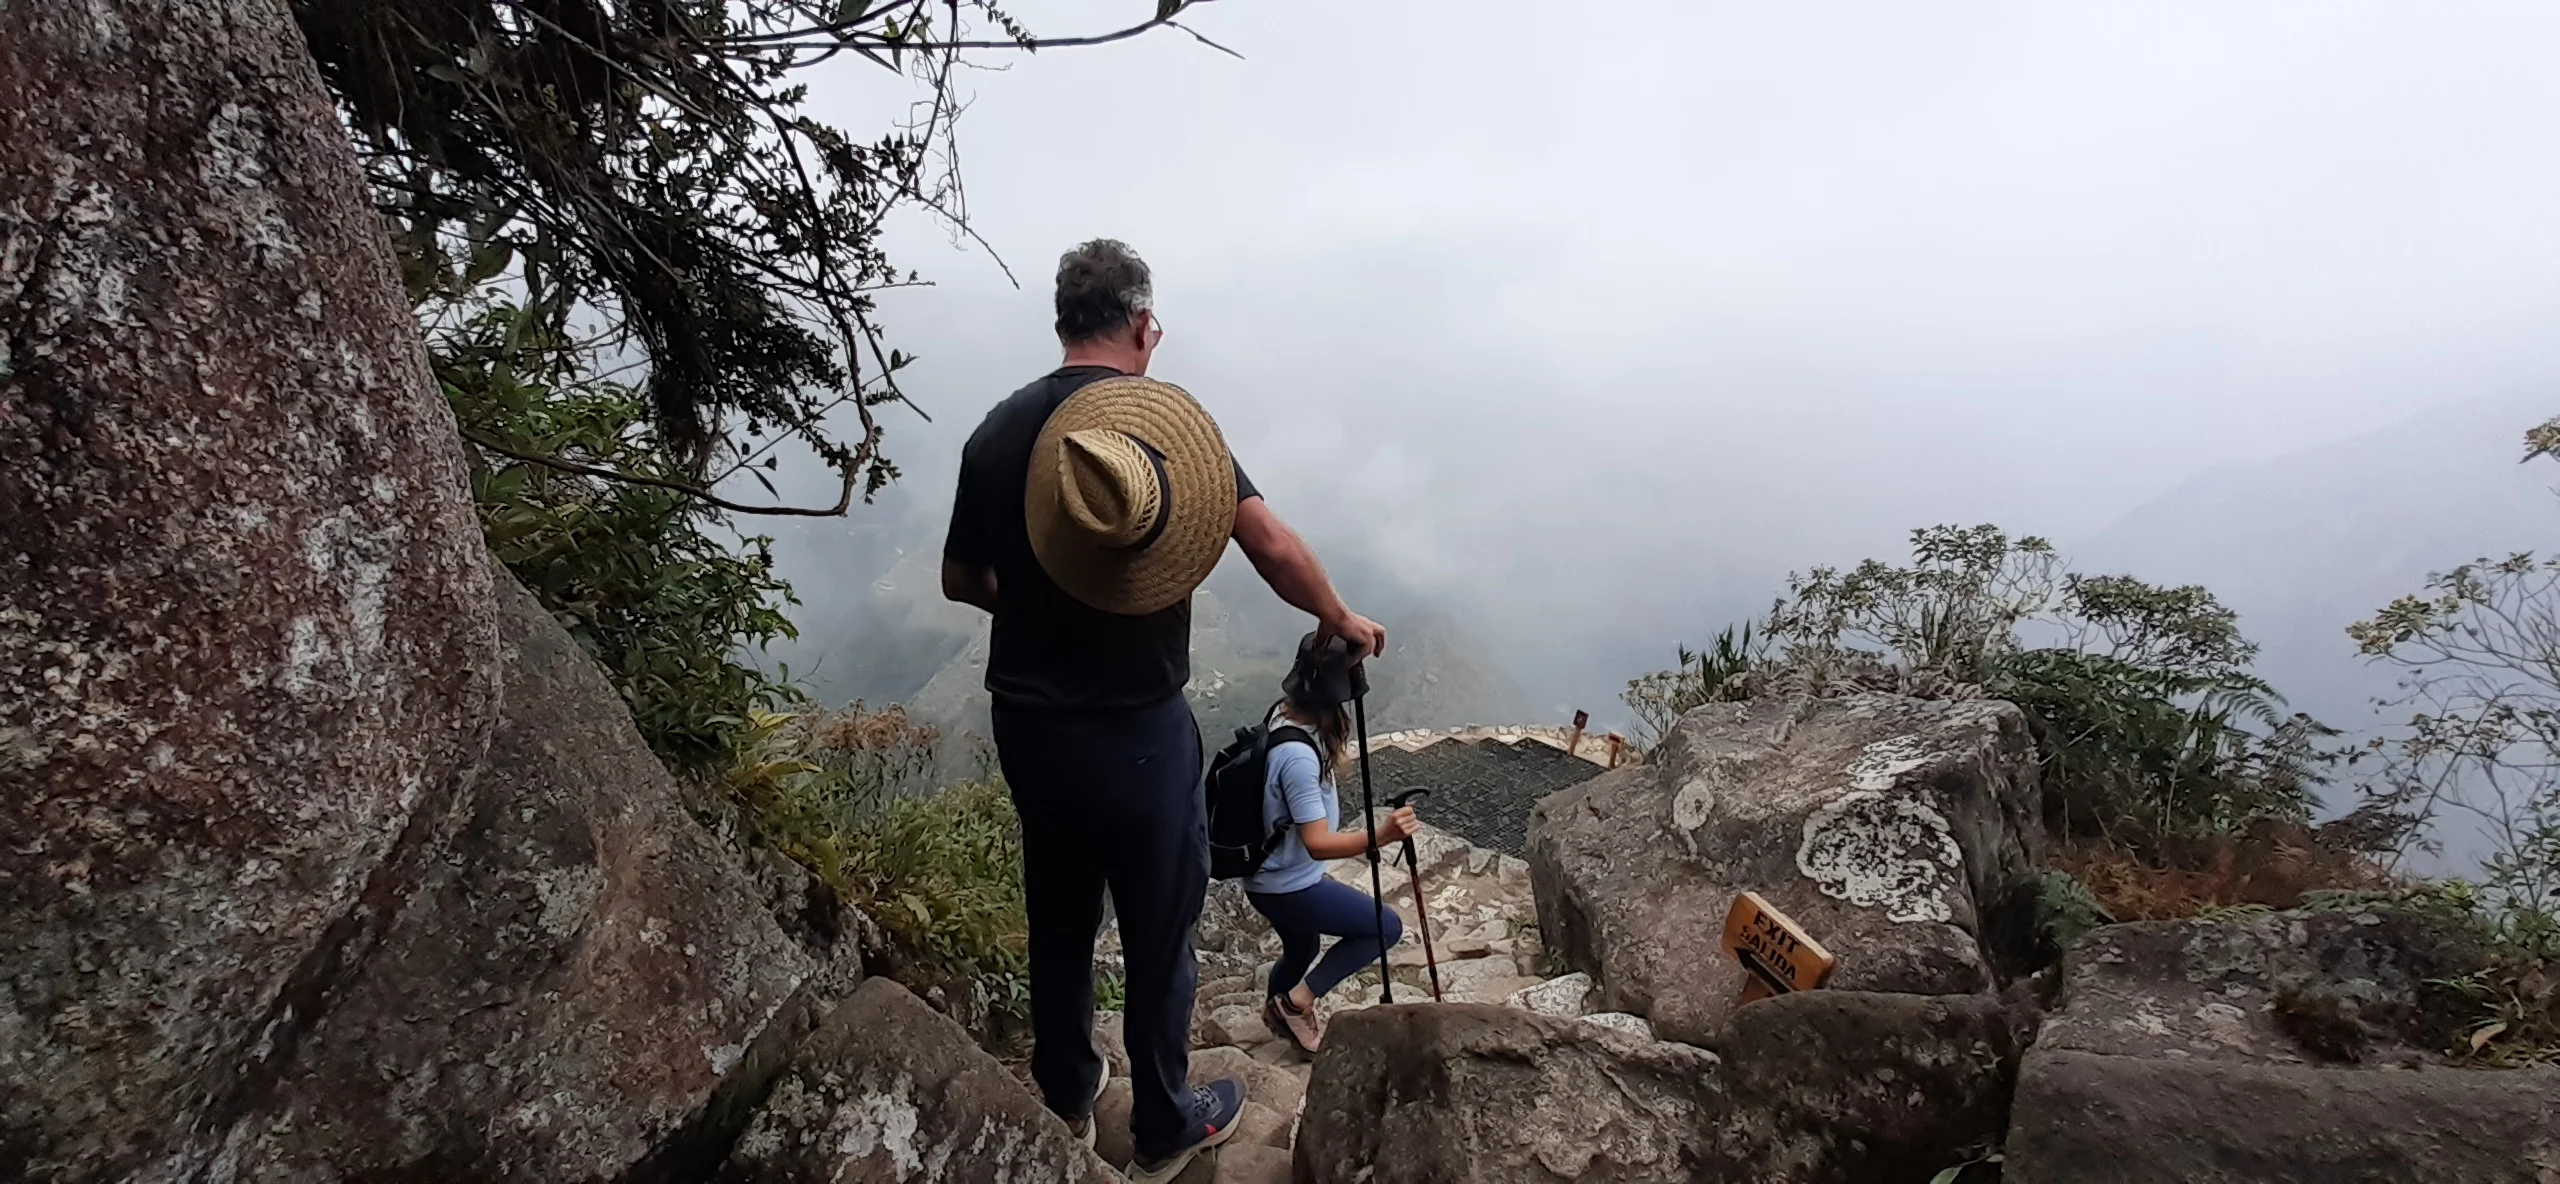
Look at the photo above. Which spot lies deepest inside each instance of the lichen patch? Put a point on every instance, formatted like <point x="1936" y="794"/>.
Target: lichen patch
<point x="1695" y="801"/>
<point x="1879" y="765"/>
<point x="881" y="1121"/>
<point x="1888" y="853"/>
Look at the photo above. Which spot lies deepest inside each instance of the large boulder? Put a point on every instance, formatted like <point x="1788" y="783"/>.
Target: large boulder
<point x="1899" y="832"/>
<point x="1822" y="1087"/>
<point x="2084" y="1118"/>
<point x="1428" y="1093"/>
<point x="245" y="621"/>
<point x="2296" y="1046"/>
<point x="583" y="967"/>
<point x="2353" y="985"/>
<point x="889" y="1090"/>
<point x="1853" y="1087"/>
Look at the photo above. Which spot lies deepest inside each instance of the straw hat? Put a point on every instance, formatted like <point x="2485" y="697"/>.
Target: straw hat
<point x="1131" y="495"/>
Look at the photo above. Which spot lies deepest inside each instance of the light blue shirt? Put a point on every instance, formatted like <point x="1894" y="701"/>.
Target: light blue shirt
<point x="1296" y="788"/>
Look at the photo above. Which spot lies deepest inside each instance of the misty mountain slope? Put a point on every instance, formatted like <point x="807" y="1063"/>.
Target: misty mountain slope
<point x="878" y="638"/>
<point x="874" y="626"/>
<point x="1435" y="674"/>
<point x="2308" y="543"/>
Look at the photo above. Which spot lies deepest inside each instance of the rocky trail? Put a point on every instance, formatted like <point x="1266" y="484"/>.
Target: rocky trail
<point x="1483" y="931"/>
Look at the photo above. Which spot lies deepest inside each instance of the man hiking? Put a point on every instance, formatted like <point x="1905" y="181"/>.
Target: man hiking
<point x="1091" y="504"/>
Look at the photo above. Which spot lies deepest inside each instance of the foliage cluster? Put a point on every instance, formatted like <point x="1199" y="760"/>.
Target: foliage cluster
<point x="2479" y="654"/>
<point x="650" y="163"/>
<point x="2478" y="651"/>
<point x="2518" y="1005"/>
<point x="846" y="793"/>
<point x="2146" y="714"/>
<point x="1697" y="678"/>
<point x="645" y="581"/>
<point x="2066" y="909"/>
<point x="2271" y="864"/>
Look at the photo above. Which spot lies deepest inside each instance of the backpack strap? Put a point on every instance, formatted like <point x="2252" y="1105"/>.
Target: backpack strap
<point x="1278" y="734"/>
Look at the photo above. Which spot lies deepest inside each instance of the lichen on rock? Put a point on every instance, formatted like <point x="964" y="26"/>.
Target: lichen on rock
<point x="1890" y="853"/>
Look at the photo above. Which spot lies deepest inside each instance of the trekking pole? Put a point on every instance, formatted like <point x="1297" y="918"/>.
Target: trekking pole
<point x="1377" y="879"/>
<point x="1413" y="864"/>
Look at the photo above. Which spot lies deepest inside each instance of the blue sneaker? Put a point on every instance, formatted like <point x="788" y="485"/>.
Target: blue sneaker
<point x="1214" y="1109"/>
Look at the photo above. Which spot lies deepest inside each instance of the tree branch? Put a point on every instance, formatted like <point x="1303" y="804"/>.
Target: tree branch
<point x="844" y="500"/>
<point x="799" y="39"/>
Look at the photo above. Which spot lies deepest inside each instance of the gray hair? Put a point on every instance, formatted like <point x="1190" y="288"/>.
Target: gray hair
<point x="1102" y="286"/>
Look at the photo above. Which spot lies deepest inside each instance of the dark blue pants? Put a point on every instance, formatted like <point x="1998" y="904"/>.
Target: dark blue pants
<point x="1307" y="916"/>
<point x="1111" y="800"/>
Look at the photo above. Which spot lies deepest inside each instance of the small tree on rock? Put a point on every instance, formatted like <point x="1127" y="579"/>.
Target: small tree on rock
<point x="2479" y="656"/>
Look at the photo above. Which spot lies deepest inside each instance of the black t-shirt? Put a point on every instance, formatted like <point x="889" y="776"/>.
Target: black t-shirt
<point x="1051" y="650"/>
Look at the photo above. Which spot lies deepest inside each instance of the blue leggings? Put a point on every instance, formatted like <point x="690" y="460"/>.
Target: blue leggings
<point x="1307" y="916"/>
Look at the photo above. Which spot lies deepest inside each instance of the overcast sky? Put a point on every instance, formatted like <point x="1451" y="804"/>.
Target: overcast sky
<point x="1599" y="318"/>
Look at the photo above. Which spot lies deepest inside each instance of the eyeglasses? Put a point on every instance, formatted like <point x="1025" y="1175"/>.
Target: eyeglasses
<point x="1155" y="323"/>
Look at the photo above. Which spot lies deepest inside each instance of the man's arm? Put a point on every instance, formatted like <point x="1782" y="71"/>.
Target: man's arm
<point x="969" y="585"/>
<point x="968" y="573"/>
<point x="1292" y="571"/>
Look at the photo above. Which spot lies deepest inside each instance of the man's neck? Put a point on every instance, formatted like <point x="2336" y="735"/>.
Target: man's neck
<point x="1122" y="359"/>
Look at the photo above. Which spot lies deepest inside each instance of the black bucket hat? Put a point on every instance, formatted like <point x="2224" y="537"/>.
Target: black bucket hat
<point x="1325" y="675"/>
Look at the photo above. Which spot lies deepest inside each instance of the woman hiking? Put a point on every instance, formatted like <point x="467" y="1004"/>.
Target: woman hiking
<point x="1291" y="889"/>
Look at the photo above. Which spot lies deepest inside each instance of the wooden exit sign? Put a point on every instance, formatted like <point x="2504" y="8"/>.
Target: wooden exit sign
<point x="1777" y="956"/>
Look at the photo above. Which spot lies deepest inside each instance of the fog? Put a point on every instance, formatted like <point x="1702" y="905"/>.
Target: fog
<point x="1589" y="323"/>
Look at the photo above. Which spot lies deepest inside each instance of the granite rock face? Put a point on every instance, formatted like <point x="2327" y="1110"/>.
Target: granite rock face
<point x="329" y="856"/>
<point x="2084" y="1118"/>
<point x="1447" y="1092"/>
<point x="2294" y="988"/>
<point x="245" y="620"/>
<point x="1822" y="1087"/>
<point x="2292" y="1046"/>
<point x="888" y="1090"/>
<point x="579" y="972"/>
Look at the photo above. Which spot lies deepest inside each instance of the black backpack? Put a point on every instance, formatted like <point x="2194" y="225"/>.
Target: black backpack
<point x="1239" y="839"/>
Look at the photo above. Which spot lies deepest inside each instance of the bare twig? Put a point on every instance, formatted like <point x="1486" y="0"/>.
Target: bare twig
<point x="1195" y="35"/>
<point x="820" y="39"/>
<point x="844" y="500"/>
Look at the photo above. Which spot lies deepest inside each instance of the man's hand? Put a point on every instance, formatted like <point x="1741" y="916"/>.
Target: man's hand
<point x="1368" y="638"/>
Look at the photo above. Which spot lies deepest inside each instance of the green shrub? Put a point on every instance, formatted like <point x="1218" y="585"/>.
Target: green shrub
<point x="943" y="875"/>
<point x="1659" y="699"/>
<point x="2066" y="910"/>
<point x="2515" y="1009"/>
<point x="2145" y="712"/>
<point x="639" y="574"/>
<point x="2162" y="751"/>
<point x="2478" y="652"/>
<point x="940" y="871"/>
